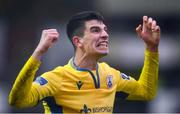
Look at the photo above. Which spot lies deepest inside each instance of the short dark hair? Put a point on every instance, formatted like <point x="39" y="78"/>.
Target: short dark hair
<point x="76" y="24"/>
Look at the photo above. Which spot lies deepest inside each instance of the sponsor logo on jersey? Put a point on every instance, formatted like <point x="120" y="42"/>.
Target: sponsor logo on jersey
<point x="109" y="81"/>
<point x="124" y="76"/>
<point x="79" y="84"/>
<point x="41" y="80"/>
<point x="101" y="109"/>
<point x="85" y="110"/>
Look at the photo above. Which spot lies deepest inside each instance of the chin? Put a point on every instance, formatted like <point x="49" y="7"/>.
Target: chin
<point x="103" y="53"/>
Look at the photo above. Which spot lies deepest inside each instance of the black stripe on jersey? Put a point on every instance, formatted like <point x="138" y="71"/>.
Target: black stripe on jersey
<point x="52" y="105"/>
<point x="122" y="95"/>
<point x="96" y="82"/>
<point x="97" y="74"/>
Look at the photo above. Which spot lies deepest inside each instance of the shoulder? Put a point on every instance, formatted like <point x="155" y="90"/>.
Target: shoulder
<point x="55" y="74"/>
<point x="106" y="66"/>
<point x="55" y="71"/>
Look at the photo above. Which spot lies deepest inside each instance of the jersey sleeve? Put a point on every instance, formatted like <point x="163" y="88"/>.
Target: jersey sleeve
<point x="48" y="83"/>
<point x="25" y="92"/>
<point x="22" y="93"/>
<point x="145" y="88"/>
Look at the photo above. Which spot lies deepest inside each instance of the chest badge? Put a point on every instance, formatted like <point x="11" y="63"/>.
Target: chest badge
<point x="109" y="81"/>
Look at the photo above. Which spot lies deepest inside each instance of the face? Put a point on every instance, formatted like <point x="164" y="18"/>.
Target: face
<point x="96" y="39"/>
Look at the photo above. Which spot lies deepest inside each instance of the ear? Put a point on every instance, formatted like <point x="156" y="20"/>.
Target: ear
<point x="77" y="41"/>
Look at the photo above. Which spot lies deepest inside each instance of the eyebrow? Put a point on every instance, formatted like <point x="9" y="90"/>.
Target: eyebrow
<point x="105" y="27"/>
<point x="94" y="27"/>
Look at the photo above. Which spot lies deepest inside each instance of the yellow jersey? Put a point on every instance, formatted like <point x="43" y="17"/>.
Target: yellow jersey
<point x="70" y="89"/>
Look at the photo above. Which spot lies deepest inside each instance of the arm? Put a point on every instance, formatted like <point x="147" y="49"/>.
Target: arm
<point x="145" y="87"/>
<point x="147" y="84"/>
<point x="23" y="94"/>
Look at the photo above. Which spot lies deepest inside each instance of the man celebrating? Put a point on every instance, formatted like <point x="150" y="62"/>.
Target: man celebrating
<point x="84" y="85"/>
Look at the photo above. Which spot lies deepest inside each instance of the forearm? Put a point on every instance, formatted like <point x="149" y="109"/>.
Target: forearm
<point x="21" y="90"/>
<point x="145" y="88"/>
<point x="149" y="76"/>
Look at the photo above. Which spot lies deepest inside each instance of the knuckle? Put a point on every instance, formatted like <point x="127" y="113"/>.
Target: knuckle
<point x="44" y="31"/>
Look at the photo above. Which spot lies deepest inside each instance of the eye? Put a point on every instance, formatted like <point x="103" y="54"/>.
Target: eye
<point x="106" y="29"/>
<point x="95" y="29"/>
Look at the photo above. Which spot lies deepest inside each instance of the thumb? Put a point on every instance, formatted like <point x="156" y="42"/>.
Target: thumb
<point x="139" y="30"/>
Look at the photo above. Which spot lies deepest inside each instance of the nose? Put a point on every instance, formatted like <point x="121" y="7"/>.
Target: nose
<point x="104" y="35"/>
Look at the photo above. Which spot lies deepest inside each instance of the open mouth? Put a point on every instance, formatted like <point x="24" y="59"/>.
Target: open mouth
<point x="103" y="44"/>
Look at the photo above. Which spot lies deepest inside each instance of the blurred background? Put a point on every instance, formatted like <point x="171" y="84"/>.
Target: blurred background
<point x="21" y="23"/>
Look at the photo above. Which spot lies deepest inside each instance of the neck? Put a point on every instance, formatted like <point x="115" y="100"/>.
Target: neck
<point x="84" y="61"/>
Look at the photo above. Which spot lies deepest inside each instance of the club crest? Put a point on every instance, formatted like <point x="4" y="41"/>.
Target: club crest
<point x="109" y="81"/>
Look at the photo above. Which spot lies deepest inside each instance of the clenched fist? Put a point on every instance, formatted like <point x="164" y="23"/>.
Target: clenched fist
<point x="48" y="38"/>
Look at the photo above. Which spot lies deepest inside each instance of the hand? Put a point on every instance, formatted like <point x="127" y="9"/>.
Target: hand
<point x="149" y="32"/>
<point x="48" y="38"/>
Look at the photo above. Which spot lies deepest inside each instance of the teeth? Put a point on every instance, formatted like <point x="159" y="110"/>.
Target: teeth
<point x="103" y="44"/>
